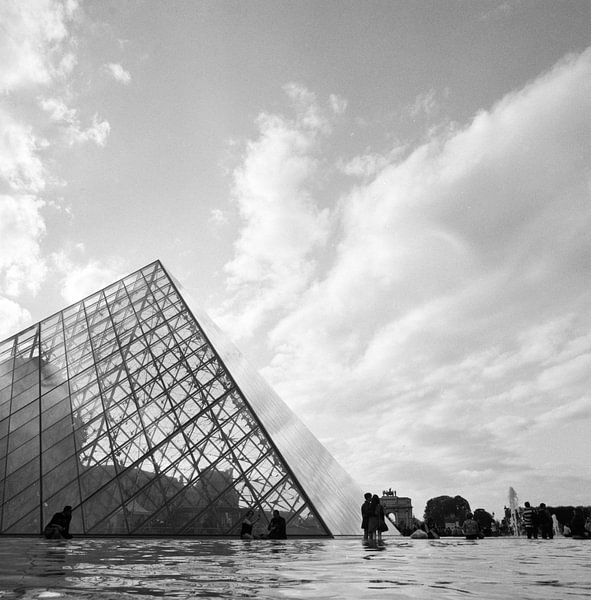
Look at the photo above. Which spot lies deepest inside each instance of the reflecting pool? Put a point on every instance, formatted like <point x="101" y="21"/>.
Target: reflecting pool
<point x="103" y="569"/>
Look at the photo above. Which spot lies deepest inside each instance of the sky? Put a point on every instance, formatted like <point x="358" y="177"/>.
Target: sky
<point x="386" y="205"/>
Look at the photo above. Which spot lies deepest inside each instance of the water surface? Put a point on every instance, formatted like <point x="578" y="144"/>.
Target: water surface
<point x="100" y="569"/>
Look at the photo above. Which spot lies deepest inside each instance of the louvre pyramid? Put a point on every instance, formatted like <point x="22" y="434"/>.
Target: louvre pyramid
<point x="136" y="410"/>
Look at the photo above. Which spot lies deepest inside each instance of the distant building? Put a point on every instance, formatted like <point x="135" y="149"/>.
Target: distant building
<point x="400" y="506"/>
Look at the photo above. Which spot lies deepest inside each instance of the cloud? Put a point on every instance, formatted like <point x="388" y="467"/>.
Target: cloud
<point x="454" y="294"/>
<point x="273" y="190"/>
<point x="21" y="169"/>
<point x="12" y="317"/>
<point x="425" y="104"/>
<point x="35" y="52"/>
<point x="81" y="280"/>
<point x="338" y="104"/>
<point x="365" y="166"/>
<point x="32" y="48"/>
<point x="37" y="55"/>
<point x="72" y="131"/>
<point x="97" y="132"/>
<point x="118" y="73"/>
<point x="218" y="217"/>
<point x="21" y="230"/>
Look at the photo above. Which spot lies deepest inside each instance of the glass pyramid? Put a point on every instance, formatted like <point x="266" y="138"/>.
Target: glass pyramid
<point x="137" y="411"/>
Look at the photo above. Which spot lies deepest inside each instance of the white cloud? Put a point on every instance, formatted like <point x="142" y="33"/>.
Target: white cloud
<point x="273" y="189"/>
<point x="13" y="317"/>
<point x="218" y="217"/>
<point x="425" y="104"/>
<point x="366" y="166"/>
<point x="73" y="132"/>
<point x="81" y="280"/>
<point x="338" y="104"/>
<point x="459" y="276"/>
<point x="97" y="132"/>
<point x="31" y="49"/>
<point x="21" y="230"/>
<point x="37" y="54"/>
<point x="118" y="73"/>
<point x="20" y="166"/>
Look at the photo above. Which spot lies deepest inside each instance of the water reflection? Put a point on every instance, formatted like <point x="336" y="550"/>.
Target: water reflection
<point x="50" y="562"/>
<point x="96" y="569"/>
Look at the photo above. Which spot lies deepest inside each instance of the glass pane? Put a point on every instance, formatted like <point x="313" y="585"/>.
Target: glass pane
<point x="21" y="479"/>
<point x="26" y="448"/>
<point x="29" y="524"/>
<point x="101" y="505"/>
<point x="60" y="409"/>
<point x="57" y="432"/>
<point x="20" y="505"/>
<point x="58" y="453"/>
<point x="55" y="396"/>
<point x="63" y="477"/>
<point x="23" y="415"/>
<point x="52" y="375"/>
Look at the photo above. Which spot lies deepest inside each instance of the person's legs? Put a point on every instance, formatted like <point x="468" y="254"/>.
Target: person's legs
<point x="53" y="532"/>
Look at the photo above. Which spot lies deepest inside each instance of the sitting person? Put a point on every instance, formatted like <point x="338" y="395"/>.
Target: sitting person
<point x="59" y="526"/>
<point x="471" y="528"/>
<point x="246" y="531"/>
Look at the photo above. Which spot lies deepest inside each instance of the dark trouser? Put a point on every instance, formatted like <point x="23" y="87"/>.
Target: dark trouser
<point x="54" y="532"/>
<point x="531" y="532"/>
<point x="547" y="532"/>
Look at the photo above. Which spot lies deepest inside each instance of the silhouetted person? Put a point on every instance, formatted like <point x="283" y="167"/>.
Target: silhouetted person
<point x="471" y="527"/>
<point x="375" y="521"/>
<point x="59" y="526"/>
<point x="382" y="527"/>
<point x="545" y="522"/>
<point x="530" y="521"/>
<point x="577" y="524"/>
<point x="365" y="513"/>
<point x="248" y="522"/>
<point x="277" y="527"/>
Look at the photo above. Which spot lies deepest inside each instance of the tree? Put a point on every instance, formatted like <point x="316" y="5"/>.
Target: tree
<point x="445" y="509"/>
<point x="484" y="519"/>
<point x="564" y="514"/>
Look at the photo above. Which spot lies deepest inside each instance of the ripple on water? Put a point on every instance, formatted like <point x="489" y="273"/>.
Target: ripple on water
<point x="101" y="569"/>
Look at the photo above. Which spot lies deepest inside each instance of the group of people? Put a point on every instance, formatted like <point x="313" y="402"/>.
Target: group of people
<point x="276" y="530"/>
<point x="59" y="526"/>
<point x="538" y="521"/>
<point x="373" y="521"/>
<point x="580" y="526"/>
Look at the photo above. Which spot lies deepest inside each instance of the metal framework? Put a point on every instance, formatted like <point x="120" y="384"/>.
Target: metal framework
<point x="121" y="406"/>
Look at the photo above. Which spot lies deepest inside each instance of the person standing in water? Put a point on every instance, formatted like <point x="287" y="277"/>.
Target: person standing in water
<point x="365" y="514"/>
<point x="545" y="522"/>
<point x="530" y="521"/>
<point x="277" y="527"/>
